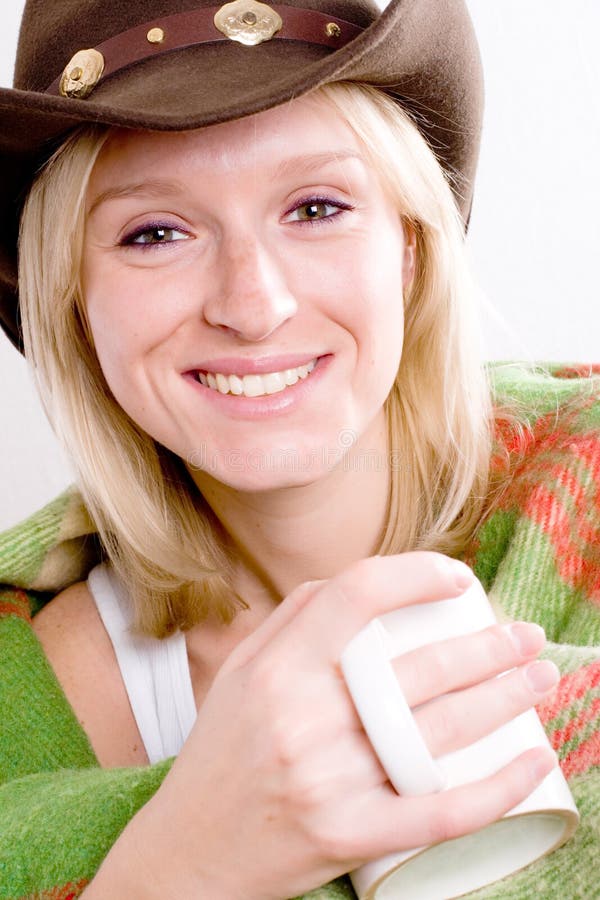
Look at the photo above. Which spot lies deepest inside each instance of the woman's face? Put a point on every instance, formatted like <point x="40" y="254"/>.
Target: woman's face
<point x="223" y="250"/>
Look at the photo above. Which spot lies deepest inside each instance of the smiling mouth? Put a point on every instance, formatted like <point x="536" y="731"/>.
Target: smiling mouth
<point x="255" y="385"/>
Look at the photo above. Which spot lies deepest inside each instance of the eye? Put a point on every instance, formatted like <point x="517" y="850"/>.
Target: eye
<point x="152" y="235"/>
<point x="317" y="210"/>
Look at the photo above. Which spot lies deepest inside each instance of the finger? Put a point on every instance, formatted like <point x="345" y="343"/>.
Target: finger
<point x="342" y="765"/>
<point x="342" y="605"/>
<point x="456" y="663"/>
<point x="266" y="631"/>
<point x="459" y="719"/>
<point x="387" y="822"/>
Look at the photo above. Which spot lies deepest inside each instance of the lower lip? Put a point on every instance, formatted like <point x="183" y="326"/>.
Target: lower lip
<point x="270" y="404"/>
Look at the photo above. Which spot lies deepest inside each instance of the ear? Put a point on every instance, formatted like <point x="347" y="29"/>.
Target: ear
<point x="410" y="254"/>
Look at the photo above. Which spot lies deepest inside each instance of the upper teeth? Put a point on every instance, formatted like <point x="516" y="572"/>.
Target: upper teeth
<point x="255" y="385"/>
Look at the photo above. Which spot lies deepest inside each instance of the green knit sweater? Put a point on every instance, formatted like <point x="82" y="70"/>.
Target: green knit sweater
<point x="538" y="555"/>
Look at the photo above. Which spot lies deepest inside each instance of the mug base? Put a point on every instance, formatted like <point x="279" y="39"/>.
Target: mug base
<point x="457" y="867"/>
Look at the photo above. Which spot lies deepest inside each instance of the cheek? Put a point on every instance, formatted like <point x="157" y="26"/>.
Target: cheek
<point x="116" y="340"/>
<point x="114" y="323"/>
<point x="381" y="333"/>
<point x="379" y="305"/>
<point x="381" y="342"/>
<point x="129" y="312"/>
<point x="107" y="299"/>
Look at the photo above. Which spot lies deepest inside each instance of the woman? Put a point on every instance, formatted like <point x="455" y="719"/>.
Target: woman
<point x="253" y="332"/>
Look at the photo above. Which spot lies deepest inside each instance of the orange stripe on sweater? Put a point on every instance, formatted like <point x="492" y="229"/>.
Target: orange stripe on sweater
<point x="583" y="528"/>
<point x="65" y="892"/>
<point x="544" y="508"/>
<point x="583" y="757"/>
<point x="565" y="735"/>
<point x="15" y="603"/>
<point x="577" y="371"/>
<point x="569" y="481"/>
<point x="585" y="448"/>
<point x="565" y="532"/>
<point x="570" y="688"/>
<point x="588" y="452"/>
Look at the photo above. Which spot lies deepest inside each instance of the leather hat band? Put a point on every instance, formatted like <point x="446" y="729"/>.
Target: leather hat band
<point x="245" y="21"/>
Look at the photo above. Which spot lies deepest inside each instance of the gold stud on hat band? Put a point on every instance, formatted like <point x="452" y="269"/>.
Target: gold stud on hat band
<point x="246" y="22"/>
<point x="155" y="36"/>
<point x="82" y="74"/>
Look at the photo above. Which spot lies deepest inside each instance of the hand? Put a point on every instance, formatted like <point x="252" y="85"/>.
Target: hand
<point x="278" y="790"/>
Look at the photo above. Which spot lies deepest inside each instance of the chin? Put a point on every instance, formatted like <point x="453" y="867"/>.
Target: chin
<point x="264" y="476"/>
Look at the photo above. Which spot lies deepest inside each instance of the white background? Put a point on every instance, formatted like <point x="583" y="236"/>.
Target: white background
<point x="534" y="236"/>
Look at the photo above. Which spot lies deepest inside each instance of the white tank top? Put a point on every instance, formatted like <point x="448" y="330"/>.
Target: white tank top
<point x="155" y="672"/>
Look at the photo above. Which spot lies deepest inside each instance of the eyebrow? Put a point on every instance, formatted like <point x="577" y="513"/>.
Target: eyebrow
<point x="154" y="187"/>
<point x="158" y="187"/>
<point x="308" y="163"/>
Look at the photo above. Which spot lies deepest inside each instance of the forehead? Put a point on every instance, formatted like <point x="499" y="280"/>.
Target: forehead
<point x="306" y="126"/>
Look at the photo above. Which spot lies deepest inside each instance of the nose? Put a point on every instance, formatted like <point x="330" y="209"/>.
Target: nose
<point x="249" y="294"/>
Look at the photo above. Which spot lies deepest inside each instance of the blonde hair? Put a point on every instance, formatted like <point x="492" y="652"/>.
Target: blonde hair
<point x="165" y="542"/>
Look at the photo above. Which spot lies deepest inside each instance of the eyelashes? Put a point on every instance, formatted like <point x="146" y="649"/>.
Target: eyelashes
<point x="160" y="230"/>
<point x="151" y="235"/>
<point x="314" y="202"/>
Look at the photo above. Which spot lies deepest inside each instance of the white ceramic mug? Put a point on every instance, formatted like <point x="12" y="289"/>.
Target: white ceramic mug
<point x="539" y="824"/>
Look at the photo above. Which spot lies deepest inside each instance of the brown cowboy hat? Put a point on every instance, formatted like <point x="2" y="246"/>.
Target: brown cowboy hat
<point x="180" y="64"/>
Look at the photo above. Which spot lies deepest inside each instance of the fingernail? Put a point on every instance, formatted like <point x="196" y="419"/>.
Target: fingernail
<point x="527" y="637"/>
<point x="542" y="675"/>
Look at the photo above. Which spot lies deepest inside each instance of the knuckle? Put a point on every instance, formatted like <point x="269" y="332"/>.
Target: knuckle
<point x="517" y="694"/>
<point x="337" y="844"/>
<point x="364" y="566"/>
<point x="438" y="563"/>
<point x="355" y="578"/>
<point x="304" y="592"/>
<point x="424" y="557"/>
<point x="446" y="824"/>
<point x="285" y="751"/>
<point x="328" y="843"/>
<point x="314" y="806"/>
<point x="310" y="803"/>
<point x="304" y="784"/>
<point x="424" y="674"/>
<point x="299" y="737"/>
<point x="264" y="683"/>
<point x="264" y="676"/>
<point x="517" y="785"/>
<point x="432" y="668"/>
<point x="303" y="790"/>
<point x="440" y="728"/>
<point x="500" y="646"/>
<point x="433" y="557"/>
